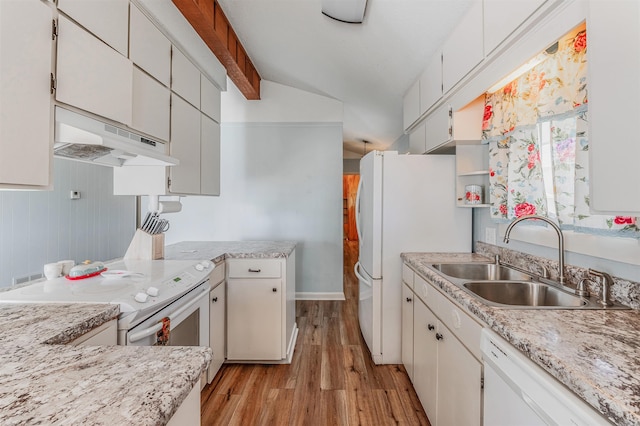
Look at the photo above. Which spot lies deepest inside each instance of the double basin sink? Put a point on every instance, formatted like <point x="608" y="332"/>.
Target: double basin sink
<point x="501" y="286"/>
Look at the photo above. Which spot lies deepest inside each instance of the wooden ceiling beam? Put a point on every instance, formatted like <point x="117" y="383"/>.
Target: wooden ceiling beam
<point x="211" y="24"/>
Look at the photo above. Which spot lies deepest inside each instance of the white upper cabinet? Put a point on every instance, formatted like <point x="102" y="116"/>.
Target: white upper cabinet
<point x="613" y="34"/>
<point x="418" y="139"/>
<point x="209" y="99"/>
<point x="149" y="48"/>
<point x="411" y="105"/>
<point x="503" y="17"/>
<point x="185" y="146"/>
<point x="25" y="99"/>
<point x="185" y="78"/>
<point x="463" y="50"/>
<point x="438" y="128"/>
<point x="91" y="75"/>
<point x="151" y="106"/>
<point x="106" y="19"/>
<point x="209" y="156"/>
<point x="431" y="83"/>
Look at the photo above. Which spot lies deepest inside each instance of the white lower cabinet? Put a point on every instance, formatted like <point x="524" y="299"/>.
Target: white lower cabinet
<point x="255" y="319"/>
<point x="447" y="371"/>
<point x="217" y="320"/>
<point x="407" y="329"/>
<point x="261" y="309"/>
<point x="425" y="359"/>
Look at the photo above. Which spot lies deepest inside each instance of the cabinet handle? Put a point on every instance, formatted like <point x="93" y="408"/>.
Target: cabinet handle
<point x="431" y="327"/>
<point x="254" y="270"/>
<point x="215" y="299"/>
<point x="409" y="299"/>
<point x="439" y="336"/>
<point x="275" y="290"/>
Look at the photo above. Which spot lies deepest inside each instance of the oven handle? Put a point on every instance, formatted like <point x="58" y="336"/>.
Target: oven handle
<point x="134" y="337"/>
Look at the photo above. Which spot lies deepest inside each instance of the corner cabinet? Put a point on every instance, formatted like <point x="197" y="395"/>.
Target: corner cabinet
<point x="26" y="55"/>
<point x="217" y="322"/>
<point x="261" y="310"/>
<point x="472" y="168"/>
<point x="446" y="357"/>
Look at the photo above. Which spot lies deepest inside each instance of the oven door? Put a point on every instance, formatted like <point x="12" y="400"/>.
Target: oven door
<point x="188" y="322"/>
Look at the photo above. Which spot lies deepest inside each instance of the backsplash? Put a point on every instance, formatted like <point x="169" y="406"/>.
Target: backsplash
<point x="38" y="227"/>
<point x="623" y="291"/>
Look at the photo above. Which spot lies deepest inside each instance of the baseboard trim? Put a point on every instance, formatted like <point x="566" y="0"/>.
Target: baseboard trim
<point x="320" y="296"/>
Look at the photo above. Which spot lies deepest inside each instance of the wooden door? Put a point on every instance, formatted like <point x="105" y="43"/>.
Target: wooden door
<point x="349" y="191"/>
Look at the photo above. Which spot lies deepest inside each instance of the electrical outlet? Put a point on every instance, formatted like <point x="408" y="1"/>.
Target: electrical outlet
<point x="490" y="235"/>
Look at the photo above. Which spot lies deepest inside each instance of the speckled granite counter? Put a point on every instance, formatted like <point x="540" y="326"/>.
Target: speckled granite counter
<point x="43" y="381"/>
<point x="217" y="251"/>
<point x="594" y="353"/>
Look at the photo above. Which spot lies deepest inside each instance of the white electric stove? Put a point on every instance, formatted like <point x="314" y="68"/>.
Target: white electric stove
<point x="151" y="288"/>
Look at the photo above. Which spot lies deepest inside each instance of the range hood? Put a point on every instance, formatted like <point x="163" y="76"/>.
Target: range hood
<point x="82" y="138"/>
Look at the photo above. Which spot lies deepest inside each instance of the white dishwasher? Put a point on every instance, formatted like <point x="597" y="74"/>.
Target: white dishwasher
<point x="518" y="392"/>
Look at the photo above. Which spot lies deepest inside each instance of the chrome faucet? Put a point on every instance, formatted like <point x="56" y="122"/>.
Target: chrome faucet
<point x="561" y="278"/>
<point x="607" y="281"/>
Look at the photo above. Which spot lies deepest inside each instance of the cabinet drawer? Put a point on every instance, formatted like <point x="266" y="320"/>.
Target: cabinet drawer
<point x="254" y="268"/>
<point x="407" y="275"/>
<point x="466" y="329"/>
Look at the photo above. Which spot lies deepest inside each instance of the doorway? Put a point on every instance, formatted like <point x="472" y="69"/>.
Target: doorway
<point x="349" y="191"/>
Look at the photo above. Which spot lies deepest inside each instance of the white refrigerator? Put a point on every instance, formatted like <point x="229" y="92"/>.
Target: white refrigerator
<point x="405" y="203"/>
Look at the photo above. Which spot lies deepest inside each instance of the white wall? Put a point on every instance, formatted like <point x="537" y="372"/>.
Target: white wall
<point x="281" y="179"/>
<point x="38" y="227"/>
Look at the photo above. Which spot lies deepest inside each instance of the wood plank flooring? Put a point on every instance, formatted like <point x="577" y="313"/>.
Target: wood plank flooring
<point x="330" y="381"/>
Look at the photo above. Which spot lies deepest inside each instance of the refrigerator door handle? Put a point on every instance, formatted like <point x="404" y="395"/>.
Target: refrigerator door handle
<point x="358" y="210"/>
<point x="359" y="276"/>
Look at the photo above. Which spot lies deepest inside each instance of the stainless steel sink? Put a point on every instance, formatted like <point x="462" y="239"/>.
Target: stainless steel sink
<point x="524" y="293"/>
<point x="480" y="271"/>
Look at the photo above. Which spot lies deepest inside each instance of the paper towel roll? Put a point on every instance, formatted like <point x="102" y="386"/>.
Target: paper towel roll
<point x="169" y="206"/>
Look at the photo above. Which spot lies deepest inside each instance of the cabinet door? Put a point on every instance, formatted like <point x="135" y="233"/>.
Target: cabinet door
<point x="25" y="99"/>
<point x="425" y="358"/>
<point x="502" y="17"/>
<point x="106" y="19"/>
<point x="185" y="78"/>
<point x="459" y="383"/>
<point x="613" y="30"/>
<point x="151" y="106"/>
<point x="209" y="98"/>
<point x="411" y="105"/>
<point x="438" y="127"/>
<point x="407" y="329"/>
<point x="185" y="145"/>
<point x="254" y="319"/>
<point x="149" y="48"/>
<point x="209" y="157"/>
<point x="91" y="75"/>
<point x="431" y="83"/>
<point x="217" y="326"/>
<point x="463" y="50"/>
<point x="417" y="140"/>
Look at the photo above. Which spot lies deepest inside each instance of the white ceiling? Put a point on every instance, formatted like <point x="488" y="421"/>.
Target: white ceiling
<point x="367" y="66"/>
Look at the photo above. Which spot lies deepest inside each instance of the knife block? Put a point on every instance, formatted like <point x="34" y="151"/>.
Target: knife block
<point x="145" y="246"/>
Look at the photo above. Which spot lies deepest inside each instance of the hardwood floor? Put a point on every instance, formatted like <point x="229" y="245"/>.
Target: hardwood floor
<point x="330" y="381"/>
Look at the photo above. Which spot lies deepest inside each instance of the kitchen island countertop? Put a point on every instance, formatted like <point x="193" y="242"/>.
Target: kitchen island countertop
<point x="44" y="381"/>
<point x="217" y="251"/>
<point x="595" y="353"/>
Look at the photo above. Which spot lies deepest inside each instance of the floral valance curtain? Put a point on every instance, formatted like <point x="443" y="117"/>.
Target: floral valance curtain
<point x="543" y="115"/>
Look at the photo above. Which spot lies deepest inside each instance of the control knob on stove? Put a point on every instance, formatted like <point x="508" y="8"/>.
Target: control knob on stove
<point x="141" y="297"/>
<point x="199" y="267"/>
<point x="152" y="291"/>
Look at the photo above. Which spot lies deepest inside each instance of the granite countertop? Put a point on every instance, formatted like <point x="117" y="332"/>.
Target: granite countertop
<point x="593" y="352"/>
<point x="44" y="381"/>
<point x="217" y="251"/>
